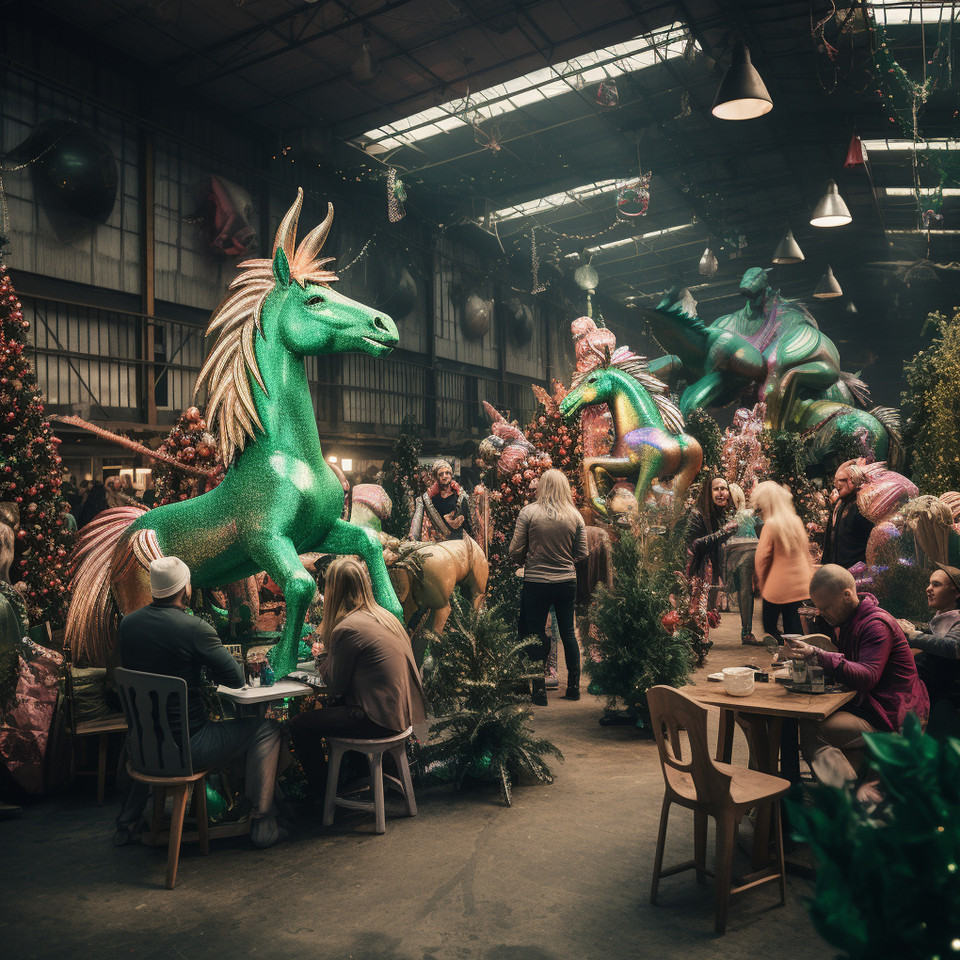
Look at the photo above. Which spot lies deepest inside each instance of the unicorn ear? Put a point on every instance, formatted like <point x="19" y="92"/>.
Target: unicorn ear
<point x="281" y="268"/>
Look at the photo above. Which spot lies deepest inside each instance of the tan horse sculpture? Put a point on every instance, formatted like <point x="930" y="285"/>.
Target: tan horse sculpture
<point x="426" y="574"/>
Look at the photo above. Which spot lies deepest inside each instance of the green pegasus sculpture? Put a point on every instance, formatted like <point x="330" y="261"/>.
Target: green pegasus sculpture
<point x="771" y="347"/>
<point x="279" y="497"/>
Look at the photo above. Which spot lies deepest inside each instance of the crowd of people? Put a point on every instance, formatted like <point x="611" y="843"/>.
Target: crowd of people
<point x="765" y="549"/>
<point x="736" y="549"/>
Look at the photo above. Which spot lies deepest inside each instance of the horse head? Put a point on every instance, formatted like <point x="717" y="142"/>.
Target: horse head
<point x="312" y="318"/>
<point x="595" y="387"/>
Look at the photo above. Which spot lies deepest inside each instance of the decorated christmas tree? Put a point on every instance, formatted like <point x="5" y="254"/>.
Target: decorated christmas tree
<point x="787" y="462"/>
<point x="932" y="404"/>
<point x="706" y="431"/>
<point x="190" y="444"/>
<point x="30" y="469"/>
<point x="558" y="438"/>
<point x="478" y="689"/>
<point x="403" y="478"/>
<point x="643" y="632"/>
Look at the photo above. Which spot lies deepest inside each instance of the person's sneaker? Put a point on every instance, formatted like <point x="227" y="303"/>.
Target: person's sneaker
<point x="127" y="833"/>
<point x="749" y="640"/>
<point x="573" y="693"/>
<point x="539" y="695"/>
<point x="552" y="680"/>
<point x="265" y="832"/>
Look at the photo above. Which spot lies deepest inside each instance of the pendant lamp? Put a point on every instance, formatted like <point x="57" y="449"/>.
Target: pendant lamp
<point x="788" y="250"/>
<point x="828" y="288"/>
<point x="742" y="94"/>
<point x="708" y="263"/>
<point x="831" y="211"/>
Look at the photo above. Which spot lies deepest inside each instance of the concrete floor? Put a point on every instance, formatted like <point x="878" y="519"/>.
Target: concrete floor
<point x="564" y="873"/>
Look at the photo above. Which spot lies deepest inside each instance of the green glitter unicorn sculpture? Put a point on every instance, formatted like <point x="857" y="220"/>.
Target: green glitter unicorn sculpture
<point x="279" y="497"/>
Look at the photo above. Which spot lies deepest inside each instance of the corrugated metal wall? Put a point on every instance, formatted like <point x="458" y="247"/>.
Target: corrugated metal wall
<point x="90" y="358"/>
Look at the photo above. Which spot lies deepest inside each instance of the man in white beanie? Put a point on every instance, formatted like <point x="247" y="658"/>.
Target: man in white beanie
<point x="164" y="638"/>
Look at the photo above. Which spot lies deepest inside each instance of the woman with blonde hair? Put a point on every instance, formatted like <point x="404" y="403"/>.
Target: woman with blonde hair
<point x="369" y="663"/>
<point x="549" y="538"/>
<point x="782" y="563"/>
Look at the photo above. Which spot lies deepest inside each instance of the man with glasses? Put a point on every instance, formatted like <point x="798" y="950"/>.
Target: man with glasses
<point x="845" y="539"/>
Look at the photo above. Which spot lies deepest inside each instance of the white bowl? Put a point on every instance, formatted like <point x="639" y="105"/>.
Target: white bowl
<point x="738" y="681"/>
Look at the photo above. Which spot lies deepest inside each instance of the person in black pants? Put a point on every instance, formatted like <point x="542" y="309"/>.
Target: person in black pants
<point x="550" y="537"/>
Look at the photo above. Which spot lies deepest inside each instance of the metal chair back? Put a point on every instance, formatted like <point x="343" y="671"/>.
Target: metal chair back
<point x="155" y="705"/>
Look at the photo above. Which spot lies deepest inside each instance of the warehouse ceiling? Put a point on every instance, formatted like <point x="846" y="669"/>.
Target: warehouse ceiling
<point x="615" y="89"/>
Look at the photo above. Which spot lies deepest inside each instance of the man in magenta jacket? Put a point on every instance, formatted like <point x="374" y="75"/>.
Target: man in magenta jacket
<point x="874" y="659"/>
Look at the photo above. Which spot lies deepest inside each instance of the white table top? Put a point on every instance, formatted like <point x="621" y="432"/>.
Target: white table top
<point x="277" y="691"/>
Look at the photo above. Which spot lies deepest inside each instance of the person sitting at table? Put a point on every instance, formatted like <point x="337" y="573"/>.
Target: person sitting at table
<point x="163" y="638"/>
<point x="369" y="662"/>
<point x="938" y="662"/>
<point x="874" y="659"/>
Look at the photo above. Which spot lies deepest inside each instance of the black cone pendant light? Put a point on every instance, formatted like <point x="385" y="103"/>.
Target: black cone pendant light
<point x="828" y="288"/>
<point x="788" y="250"/>
<point x="742" y="94"/>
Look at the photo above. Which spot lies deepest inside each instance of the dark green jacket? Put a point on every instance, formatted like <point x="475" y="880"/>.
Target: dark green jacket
<point x="163" y="639"/>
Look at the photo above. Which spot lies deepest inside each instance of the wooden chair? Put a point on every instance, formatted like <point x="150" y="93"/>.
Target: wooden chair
<point x="100" y="728"/>
<point x="709" y="789"/>
<point x="161" y="759"/>
<point x="373" y="750"/>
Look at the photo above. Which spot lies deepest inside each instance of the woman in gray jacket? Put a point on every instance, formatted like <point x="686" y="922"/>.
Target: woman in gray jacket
<point x="549" y="538"/>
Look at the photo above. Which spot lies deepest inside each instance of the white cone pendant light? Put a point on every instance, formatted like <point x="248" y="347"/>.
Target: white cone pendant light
<point x="788" y="250"/>
<point x="828" y="288"/>
<point x="742" y="94"/>
<point x="831" y="211"/>
<point x="708" y="263"/>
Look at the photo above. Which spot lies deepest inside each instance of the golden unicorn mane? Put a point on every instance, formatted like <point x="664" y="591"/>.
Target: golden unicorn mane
<point x="232" y="362"/>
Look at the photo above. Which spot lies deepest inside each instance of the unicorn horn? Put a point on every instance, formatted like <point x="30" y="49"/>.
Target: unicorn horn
<point x="287" y="231"/>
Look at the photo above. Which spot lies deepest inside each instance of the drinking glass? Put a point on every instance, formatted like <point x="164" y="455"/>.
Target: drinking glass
<point x="817" y="682"/>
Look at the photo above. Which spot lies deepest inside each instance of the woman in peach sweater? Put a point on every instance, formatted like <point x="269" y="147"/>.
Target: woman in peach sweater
<point x="782" y="565"/>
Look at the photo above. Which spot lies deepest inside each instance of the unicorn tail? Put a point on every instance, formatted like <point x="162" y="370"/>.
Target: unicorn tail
<point x="889" y="418"/>
<point x="91" y="628"/>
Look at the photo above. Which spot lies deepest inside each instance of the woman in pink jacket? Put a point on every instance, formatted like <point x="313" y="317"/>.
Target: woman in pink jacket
<point x="782" y="565"/>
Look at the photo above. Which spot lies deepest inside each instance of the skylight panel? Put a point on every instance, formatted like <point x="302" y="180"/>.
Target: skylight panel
<point x="914" y="12"/>
<point x="924" y="191"/>
<point x="554" y="200"/>
<point x="889" y="146"/>
<point x="541" y="84"/>
<point x="614" y="244"/>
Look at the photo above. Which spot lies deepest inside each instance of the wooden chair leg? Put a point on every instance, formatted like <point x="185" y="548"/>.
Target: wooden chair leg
<point x="159" y="801"/>
<point x="778" y="840"/>
<point x="375" y="760"/>
<point x="399" y="755"/>
<point x="700" y="844"/>
<point x="200" y="806"/>
<point x="333" y="775"/>
<point x="661" y="844"/>
<point x="104" y="746"/>
<point x="176" y="832"/>
<point x="726" y="841"/>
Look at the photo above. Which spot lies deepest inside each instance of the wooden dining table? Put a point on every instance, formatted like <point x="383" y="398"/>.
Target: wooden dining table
<point x="762" y="713"/>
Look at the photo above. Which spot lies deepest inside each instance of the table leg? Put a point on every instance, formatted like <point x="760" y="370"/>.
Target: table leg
<point x="764" y="736"/>
<point x="725" y="736"/>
